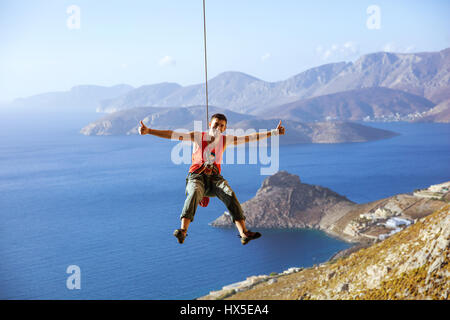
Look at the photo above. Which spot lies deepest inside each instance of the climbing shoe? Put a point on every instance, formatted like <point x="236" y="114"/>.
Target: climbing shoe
<point x="180" y="234"/>
<point x="249" y="236"/>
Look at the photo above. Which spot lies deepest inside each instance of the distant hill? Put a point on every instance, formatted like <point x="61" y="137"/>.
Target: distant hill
<point x="84" y="98"/>
<point x="425" y="74"/>
<point x="148" y="95"/>
<point x="319" y="132"/>
<point x="358" y="104"/>
<point x="439" y="113"/>
<point x="126" y="122"/>
<point x="230" y="90"/>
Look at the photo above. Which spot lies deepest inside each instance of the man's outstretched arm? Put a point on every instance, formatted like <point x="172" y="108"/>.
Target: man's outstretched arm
<point x="235" y="140"/>
<point x="167" y="134"/>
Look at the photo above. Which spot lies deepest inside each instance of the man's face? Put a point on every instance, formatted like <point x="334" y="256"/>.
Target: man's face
<point x="218" y="124"/>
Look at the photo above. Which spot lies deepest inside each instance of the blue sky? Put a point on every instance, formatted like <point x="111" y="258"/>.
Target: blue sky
<point x="144" y="41"/>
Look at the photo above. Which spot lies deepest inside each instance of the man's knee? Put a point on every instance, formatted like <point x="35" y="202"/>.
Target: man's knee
<point x="196" y="193"/>
<point x="236" y="211"/>
<point x="224" y="187"/>
<point x="228" y="196"/>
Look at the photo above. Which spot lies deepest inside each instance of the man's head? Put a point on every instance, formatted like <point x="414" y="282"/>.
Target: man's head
<point x="218" y="122"/>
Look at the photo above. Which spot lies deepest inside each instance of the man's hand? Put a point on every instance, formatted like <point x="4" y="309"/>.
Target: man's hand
<point x="280" y="128"/>
<point x="166" y="134"/>
<point x="143" y="129"/>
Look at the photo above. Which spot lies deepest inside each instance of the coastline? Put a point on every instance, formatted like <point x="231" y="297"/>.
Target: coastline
<point x="439" y="193"/>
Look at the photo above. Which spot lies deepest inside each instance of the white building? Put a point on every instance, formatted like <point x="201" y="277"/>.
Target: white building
<point x="396" y="222"/>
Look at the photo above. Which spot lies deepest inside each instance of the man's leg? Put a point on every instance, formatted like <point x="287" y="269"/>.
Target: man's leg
<point x="240" y="225"/>
<point x="224" y="192"/>
<point x="185" y="223"/>
<point x="195" y="190"/>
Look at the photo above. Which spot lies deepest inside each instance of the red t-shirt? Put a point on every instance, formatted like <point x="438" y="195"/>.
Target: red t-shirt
<point x="212" y="149"/>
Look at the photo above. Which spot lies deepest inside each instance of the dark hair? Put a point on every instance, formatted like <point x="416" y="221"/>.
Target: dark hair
<point x="219" y="116"/>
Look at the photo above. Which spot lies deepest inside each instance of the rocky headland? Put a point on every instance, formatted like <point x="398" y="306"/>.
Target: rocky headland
<point x="126" y="122"/>
<point x="283" y="201"/>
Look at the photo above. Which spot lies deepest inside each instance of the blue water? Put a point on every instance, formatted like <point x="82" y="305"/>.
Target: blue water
<point x="110" y="205"/>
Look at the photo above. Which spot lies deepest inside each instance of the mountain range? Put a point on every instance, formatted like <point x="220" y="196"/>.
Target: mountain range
<point x="358" y="104"/>
<point x="83" y="98"/>
<point x="425" y="74"/>
<point x="376" y="86"/>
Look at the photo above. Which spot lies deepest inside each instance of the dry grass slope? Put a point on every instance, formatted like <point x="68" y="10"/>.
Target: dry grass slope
<point x="412" y="264"/>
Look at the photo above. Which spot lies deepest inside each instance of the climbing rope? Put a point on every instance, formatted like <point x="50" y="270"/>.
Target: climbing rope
<point x="206" y="64"/>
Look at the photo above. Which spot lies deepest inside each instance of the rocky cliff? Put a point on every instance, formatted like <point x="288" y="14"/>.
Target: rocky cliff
<point x="412" y="264"/>
<point x="284" y="202"/>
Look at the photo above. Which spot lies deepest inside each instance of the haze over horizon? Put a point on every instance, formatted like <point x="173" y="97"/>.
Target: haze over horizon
<point x="49" y="46"/>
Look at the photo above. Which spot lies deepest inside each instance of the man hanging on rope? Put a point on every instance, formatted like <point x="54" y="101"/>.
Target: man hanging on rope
<point x="204" y="179"/>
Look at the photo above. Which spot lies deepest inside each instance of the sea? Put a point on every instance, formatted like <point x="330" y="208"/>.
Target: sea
<point x="107" y="206"/>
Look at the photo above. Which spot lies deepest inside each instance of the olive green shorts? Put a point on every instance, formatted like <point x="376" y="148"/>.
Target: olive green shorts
<point x="202" y="185"/>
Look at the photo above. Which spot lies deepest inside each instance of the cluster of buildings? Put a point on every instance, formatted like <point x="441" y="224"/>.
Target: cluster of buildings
<point x="390" y="215"/>
<point x="387" y="217"/>
<point x="396" y="224"/>
<point x="396" y="117"/>
<point x="239" y="286"/>
<point x="436" y="191"/>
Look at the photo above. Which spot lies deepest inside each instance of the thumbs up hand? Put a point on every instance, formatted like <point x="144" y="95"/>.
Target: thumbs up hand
<point x="280" y="128"/>
<point x="143" y="129"/>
